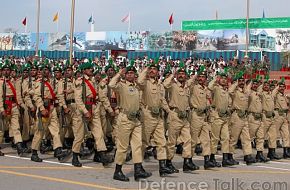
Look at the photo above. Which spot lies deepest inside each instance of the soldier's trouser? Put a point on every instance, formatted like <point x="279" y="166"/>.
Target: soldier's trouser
<point x="13" y="122"/>
<point x="239" y="129"/>
<point x="77" y="127"/>
<point x="257" y="131"/>
<point x="281" y="124"/>
<point x="53" y="126"/>
<point x="115" y="125"/>
<point x="128" y="132"/>
<point x="61" y="129"/>
<point x="103" y="120"/>
<point x="153" y="127"/>
<point x="200" y="129"/>
<point x="26" y="125"/>
<point x="270" y="131"/>
<point x="178" y="127"/>
<point x="96" y="129"/>
<point x="219" y="132"/>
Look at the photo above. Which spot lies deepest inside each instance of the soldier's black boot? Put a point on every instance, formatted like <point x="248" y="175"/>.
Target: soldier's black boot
<point x="232" y="160"/>
<point x="28" y="149"/>
<point x="272" y="154"/>
<point x="1" y="153"/>
<point x="171" y="167"/>
<point x="129" y="156"/>
<point x="261" y="158"/>
<point x="249" y="159"/>
<point x="179" y="148"/>
<point x="45" y="146"/>
<point x="110" y="144"/>
<point x="226" y="162"/>
<point x="67" y="143"/>
<point x="198" y="149"/>
<point x="62" y="155"/>
<point x="286" y="153"/>
<point x="163" y="170"/>
<point x="188" y="165"/>
<point x="140" y="173"/>
<point x="118" y="174"/>
<point x="207" y="163"/>
<point x="154" y="152"/>
<point x="213" y="160"/>
<point x="34" y="156"/>
<point x="20" y="149"/>
<point x="90" y="143"/>
<point x="85" y="152"/>
<point x="105" y="159"/>
<point x="97" y="157"/>
<point x="75" y="160"/>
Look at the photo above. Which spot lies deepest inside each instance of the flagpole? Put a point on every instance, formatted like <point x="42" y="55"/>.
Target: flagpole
<point x="37" y="24"/>
<point x="25" y="27"/>
<point x="72" y="31"/>
<point x="92" y="23"/>
<point x="247" y="28"/>
<point x="129" y="23"/>
<point x="57" y="24"/>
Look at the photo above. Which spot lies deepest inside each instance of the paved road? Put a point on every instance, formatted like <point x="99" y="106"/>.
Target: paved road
<point x="22" y="174"/>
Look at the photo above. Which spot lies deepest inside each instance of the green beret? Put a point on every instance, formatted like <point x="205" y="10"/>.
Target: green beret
<point x="6" y="64"/>
<point x="86" y="65"/>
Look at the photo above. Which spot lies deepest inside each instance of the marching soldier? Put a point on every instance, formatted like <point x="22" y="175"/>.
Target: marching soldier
<point x="129" y="131"/>
<point x="280" y="120"/>
<point x="10" y="94"/>
<point x="268" y="118"/>
<point x="178" y="119"/>
<point x="200" y="129"/>
<point x="72" y="115"/>
<point x="238" y="123"/>
<point x="44" y="97"/>
<point x="88" y="105"/>
<point x="109" y="103"/>
<point x="220" y="119"/>
<point x="153" y="100"/>
<point x="24" y="113"/>
<point x="256" y="126"/>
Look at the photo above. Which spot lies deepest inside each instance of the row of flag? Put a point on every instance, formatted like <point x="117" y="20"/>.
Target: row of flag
<point x="125" y="19"/>
<point x="55" y="19"/>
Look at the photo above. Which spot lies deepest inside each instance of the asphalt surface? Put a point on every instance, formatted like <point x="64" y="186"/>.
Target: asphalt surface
<point x="20" y="174"/>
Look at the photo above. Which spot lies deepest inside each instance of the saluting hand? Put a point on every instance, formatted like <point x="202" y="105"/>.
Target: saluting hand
<point x="88" y="115"/>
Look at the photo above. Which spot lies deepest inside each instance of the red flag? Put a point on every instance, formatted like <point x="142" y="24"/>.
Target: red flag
<point x="171" y="19"/>
<point x="24" y="21"/>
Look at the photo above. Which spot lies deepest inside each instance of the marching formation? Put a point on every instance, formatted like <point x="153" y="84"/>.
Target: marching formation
<point x="130" y="111"/>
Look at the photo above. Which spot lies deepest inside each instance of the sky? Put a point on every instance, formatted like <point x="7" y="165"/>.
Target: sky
<point x="145" y="14"/>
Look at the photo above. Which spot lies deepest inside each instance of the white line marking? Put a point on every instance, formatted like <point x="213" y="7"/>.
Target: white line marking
<point x="267" y="167"/>
<point x="284" y="163"/>
<point x="46" y="161"/>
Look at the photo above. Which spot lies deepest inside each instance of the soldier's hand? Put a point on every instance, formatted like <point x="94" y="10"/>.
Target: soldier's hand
<point x="88" y="115"/>
<point x="32" y="109"/>
<point x="122" y="71"/>
<point x="112" y="114"/>
<point x="66" y="110"/>
<point x="44" y="112"/>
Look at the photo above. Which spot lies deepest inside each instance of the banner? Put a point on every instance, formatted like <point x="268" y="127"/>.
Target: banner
<point x="283" y="22"/>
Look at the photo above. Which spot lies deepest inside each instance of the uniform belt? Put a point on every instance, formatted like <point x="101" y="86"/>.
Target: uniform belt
<point x="71" y="101"/>
<point x="91" y="101"/>
<point x="281" y="110"/>
<point x="10" y="98"/>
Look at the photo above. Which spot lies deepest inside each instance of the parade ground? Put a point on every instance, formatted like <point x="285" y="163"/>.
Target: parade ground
<point x="21" y="174"/>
